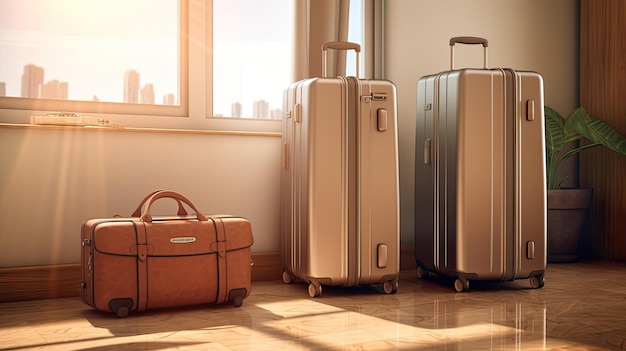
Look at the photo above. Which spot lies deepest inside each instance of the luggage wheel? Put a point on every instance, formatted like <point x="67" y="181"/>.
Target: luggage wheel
<point x="537" y="281"/>
<point x="287" y="278"/>
<point x="122" y="312"/>
<point x="421" y="272"/>
<point x="237" y="296"/>
<point x="238" y="301"/>
<point x="121" y="306"/>
<point x="390" y="286"/>
<point x="315" y="289"/>
<point x="461" y="285"/>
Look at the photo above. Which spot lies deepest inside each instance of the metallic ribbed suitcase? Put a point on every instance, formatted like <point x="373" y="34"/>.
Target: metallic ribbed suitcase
<point x="339" y="182"/>
<point x="480" y="194"/>
<point x="147" y="262"/>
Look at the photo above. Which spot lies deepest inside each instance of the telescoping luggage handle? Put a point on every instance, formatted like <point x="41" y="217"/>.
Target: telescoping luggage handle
<point x="469" y="41"/>
<point x="340" y="45"/>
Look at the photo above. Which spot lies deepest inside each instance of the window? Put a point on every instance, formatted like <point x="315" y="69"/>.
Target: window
<point x="82" y="55"/>
<point x="251" y="57"/>
<point x="209" y="63"/>
<point x="355" y="35"/>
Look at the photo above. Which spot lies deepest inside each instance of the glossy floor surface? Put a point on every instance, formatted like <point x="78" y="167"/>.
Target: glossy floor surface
<point x="581" y="307"/>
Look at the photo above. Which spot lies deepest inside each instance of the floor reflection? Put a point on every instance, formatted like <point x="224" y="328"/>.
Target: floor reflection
<point x="424" y="315"/>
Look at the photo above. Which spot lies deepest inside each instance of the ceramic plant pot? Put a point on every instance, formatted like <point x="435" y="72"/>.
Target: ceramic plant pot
<point x="567" y="215"/>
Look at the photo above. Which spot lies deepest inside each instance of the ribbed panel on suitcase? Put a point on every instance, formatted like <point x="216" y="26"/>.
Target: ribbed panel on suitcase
<point x="339" y="183"/>
<point x="480" y="192"/>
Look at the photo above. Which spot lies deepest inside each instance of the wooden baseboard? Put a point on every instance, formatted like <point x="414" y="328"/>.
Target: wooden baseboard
<point x="55" y="281"/>
<point x="266" y="266"/>
<point x="39" y="282"/>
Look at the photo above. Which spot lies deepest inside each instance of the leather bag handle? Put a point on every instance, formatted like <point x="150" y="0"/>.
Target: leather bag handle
<point x="137" y="212"/>
<point x="146" y="217"/>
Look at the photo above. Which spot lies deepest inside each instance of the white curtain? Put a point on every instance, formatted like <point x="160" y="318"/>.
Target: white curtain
<point x="317" y="22"/>
<point x="373" y="26"/>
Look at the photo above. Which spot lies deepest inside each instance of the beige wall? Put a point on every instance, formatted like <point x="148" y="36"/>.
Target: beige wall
<point x="536" y="35"/>
<point x="51" y="181"/>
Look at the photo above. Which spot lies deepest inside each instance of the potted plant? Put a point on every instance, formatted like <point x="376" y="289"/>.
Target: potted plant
<point x="567" y="207"/>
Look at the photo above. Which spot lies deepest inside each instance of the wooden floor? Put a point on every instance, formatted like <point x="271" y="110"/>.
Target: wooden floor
<point x="581" y="307"/>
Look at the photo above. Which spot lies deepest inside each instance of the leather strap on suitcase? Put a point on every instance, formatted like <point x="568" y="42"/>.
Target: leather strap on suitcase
<point x="220" y="248"/>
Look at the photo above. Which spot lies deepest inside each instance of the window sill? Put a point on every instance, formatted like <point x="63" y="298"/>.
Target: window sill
<point x="136" y="130"/>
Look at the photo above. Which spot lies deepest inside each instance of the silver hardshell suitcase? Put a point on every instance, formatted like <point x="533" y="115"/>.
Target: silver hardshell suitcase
<point x="339" y="182"/>
<point x="480" y="193"/>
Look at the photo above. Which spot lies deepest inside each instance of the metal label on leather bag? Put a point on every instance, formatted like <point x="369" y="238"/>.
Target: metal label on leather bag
<point x="183" y="240"/>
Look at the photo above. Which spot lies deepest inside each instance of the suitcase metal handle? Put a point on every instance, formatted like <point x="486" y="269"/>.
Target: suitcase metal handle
<point x="146" y="217"/>
<point x="340" y="45"/>
<point x="469" y="41"/>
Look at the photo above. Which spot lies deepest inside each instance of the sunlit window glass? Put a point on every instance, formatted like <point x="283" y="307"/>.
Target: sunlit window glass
<point x="251" y="57"/>
<point x="110" y="51"/>
<point x="355" y="35"/>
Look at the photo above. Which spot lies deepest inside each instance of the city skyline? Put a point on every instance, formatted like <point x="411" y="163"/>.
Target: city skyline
<point x="90" y="45"/>
<point x="34" y="86"/>
<point x="260" y="110"/>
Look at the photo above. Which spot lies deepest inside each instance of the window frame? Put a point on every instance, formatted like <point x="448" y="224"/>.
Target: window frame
<point x="196" y="89"/>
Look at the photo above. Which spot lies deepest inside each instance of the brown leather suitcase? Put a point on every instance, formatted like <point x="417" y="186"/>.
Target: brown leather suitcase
<point x="147" y="262"/>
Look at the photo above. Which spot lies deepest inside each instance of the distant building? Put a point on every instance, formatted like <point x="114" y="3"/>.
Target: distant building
<point x="261" y="109"/>
<point x="147" y="94"/>
<point x="54" y="90"/>
<point x="63" y="90"/>
<point x="276" y="114"/>
<point x="236" y="109"/>
<point x="131" y="86"/>
<point x="169" y="99"/>
<point x="32" y="81"/>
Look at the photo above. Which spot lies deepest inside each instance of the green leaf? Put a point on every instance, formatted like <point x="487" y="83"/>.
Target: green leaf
<point x="579" y="124"/>
<point x="595" y="130"/>
<point x="554" y="130"/>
